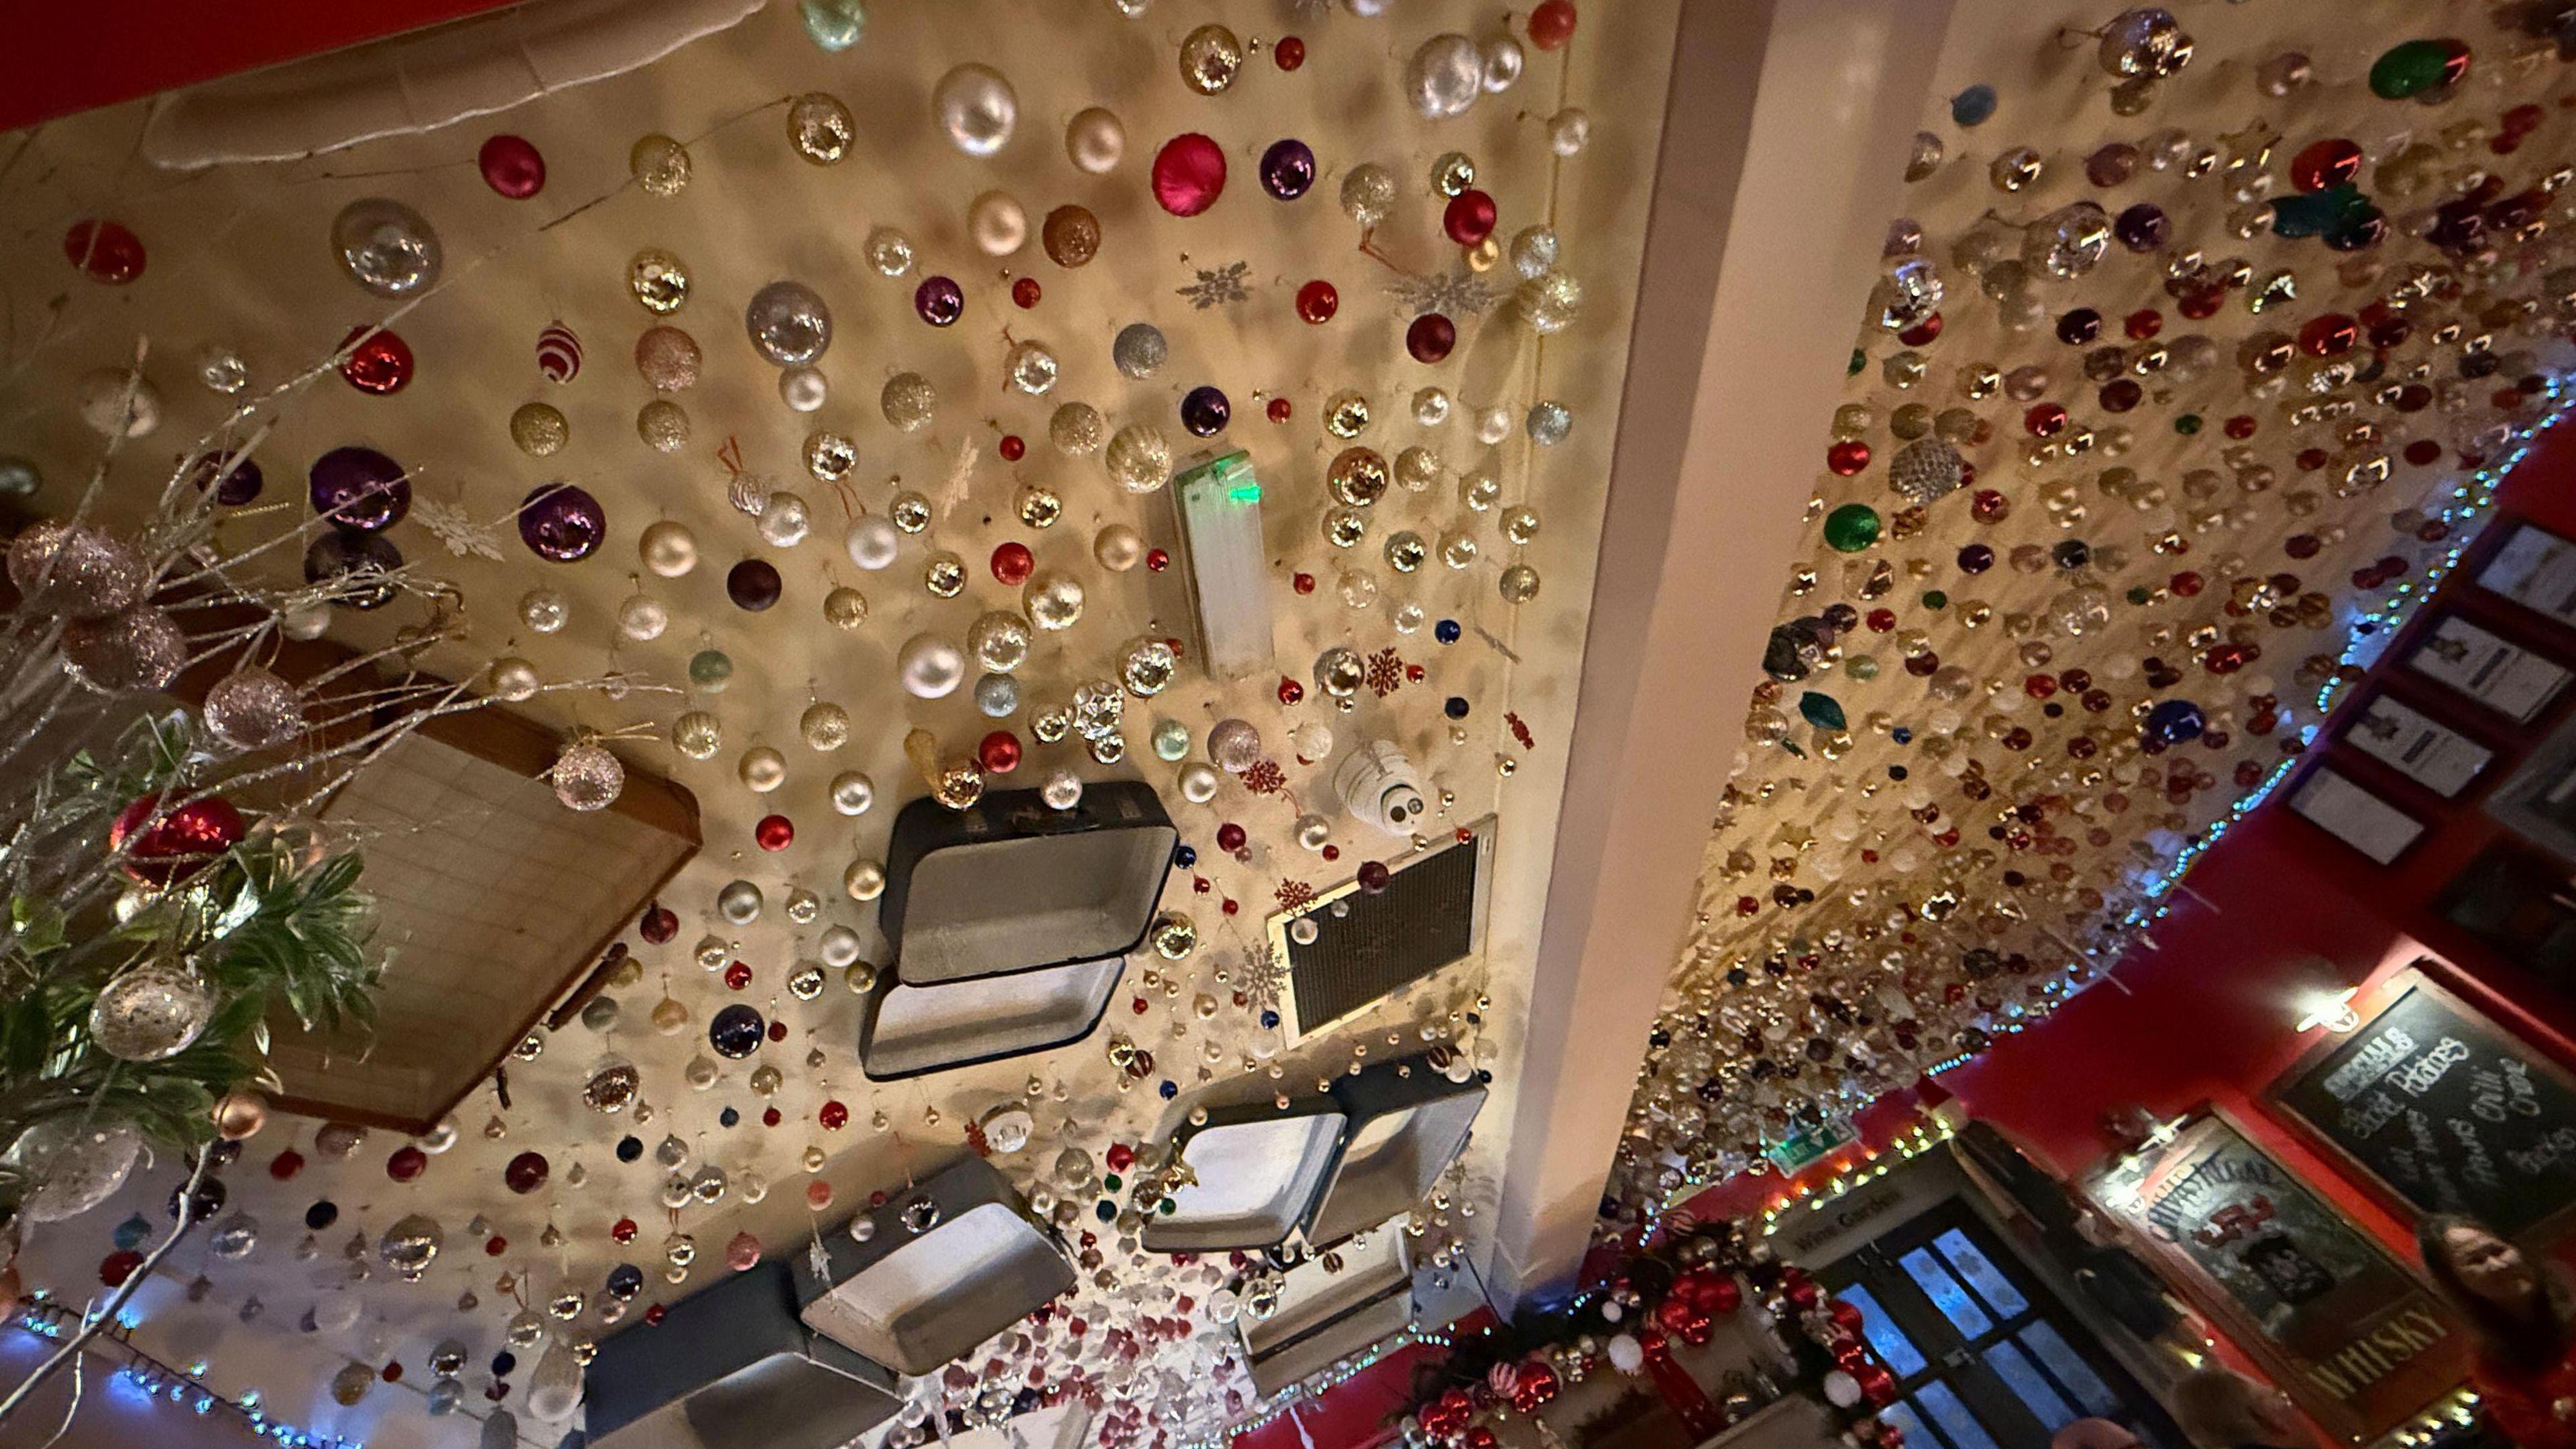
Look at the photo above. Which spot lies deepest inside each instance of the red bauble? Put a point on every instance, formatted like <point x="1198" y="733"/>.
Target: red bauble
<point x="659" y="924"/>
<point x="526" y="1173"/>
<point x="379" y="364"/>
<point x="833" y="1115"/>
<point x="1722" y="1295"/>
<point x="104" y="251"/>
<point x="1480" y="1437"/>
<point x="999" y="753"/>
<point x="653" y="1315"/>
<point x="1470" y="217"/>
<point x="1012" y="564"/>
<point x="1537" y="1384"/>
<point x="2325" y="165"/>
<point x="1189" y="174"/>
<point x="1876" y="1384"/>
<point x="1847" y="457"/>
<point x="1289" y="53"/>
<point x="774" y="832"/>
<point x="181" y="843"/>
<point x="1011" y="448"/>
<point x="1279" y="409"/>
<point x="115" y="1268"/>
<point x="1447" y="1414"/>
<point x="285" y="1165"/>
<point x="1846" y="1315"/>
<point x="1551" y="24"/>
<point x="512" y="167"/>
<point x="1025" y="293"/>
<point x="1430" y="337"/>
<point x="1317" y="302"/>
<point x="406" y="1164"/>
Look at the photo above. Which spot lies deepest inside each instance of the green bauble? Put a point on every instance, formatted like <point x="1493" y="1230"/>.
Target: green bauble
<point x="711" y="670"/>
<point x="1851" y="528"/>
<point x="833" y="25"/>
<point x="1821" y="710"/>
<point x="2418" y="66"/>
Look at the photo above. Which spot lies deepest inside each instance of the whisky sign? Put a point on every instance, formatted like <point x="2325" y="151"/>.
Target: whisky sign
<point x="2331" y="1315"/>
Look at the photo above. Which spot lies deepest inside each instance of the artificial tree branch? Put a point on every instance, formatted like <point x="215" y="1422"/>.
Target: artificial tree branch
<point x="73" y="1345"/>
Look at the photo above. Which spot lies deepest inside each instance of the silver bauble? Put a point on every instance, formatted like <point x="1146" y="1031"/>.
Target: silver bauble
<point x="75" y="571"/>
<point x="138" y="649"/>
<point x="252" y="708"/>
<point x="73" y="1165"/>
<point x="410" y="1245"/>
<point x="386" y="247"/>
<point x="788" y="323"/>
<point x="150" y="1012"/>
<point x="1444" y="77"/>
<point x="587" y="777"/>
<point x="975" y="108"/>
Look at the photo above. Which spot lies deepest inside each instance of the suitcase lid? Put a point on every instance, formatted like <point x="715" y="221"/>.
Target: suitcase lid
<point x="1014" y="885"/>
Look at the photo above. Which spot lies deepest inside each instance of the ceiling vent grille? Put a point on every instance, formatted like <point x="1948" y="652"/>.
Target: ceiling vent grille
<point x="1430" y="915"/>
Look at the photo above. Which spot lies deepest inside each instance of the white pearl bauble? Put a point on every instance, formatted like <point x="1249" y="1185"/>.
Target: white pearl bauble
<point x="667" y="548"/>
<point x="864" y="880"/>
<point x="514" y="679"/>
<point x="840" y="946"/>
<point x="1096" y="140"/>
<point x="975" y="108"/>
<point x="763" y="768"/>
<point x="1118" y="548"/>
<point x="930" y="667"/>
<point x="1198" y="782"/>
<point x="785" y="520"/>
<point x="873" y="541"/>
<point x="853" y="792"/>
<point x="998" y="223"/>
<point x="803" y="388"/>
<point x="642" y="619"/>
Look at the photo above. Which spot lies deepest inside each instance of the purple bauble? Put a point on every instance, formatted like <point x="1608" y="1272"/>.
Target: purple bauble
<point x="562" y="522"/>
<point x="360" y="489"/>
<point x="1287" y="169"/>
<point x="939" y="300"/>
<point x="2143" y="227"/>
<point x="1204" y="411"/>
<point x="753" y="585"/>
<point x="335" y="554"/>
<point x="238" y="487"/>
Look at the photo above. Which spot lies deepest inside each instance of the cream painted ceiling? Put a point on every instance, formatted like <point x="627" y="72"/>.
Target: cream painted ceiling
<point x="1947" y="822"/>
<point x="238" y="261"/>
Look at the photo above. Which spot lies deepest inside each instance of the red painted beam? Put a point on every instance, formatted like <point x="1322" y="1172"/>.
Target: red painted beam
<point x="63" y="59"/>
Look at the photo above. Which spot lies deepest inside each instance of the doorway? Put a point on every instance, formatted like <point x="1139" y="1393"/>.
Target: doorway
<point x="1985" y="1356"/>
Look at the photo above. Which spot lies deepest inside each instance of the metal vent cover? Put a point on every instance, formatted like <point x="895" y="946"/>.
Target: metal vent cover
<point x="1431" y="914"/>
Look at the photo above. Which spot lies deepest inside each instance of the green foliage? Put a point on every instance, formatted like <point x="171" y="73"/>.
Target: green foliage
<point x="271" y="922"/>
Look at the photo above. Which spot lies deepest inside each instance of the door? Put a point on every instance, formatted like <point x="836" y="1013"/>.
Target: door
<point x="1985" y="1357"/>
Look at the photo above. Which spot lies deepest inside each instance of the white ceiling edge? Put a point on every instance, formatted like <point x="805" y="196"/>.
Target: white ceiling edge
<point x="406" y="84"/>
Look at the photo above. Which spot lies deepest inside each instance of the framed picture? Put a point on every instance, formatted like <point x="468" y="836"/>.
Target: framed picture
<point x="2356" y="817"/>
<point x="2536" y="569"/>
<point x="2506" y="678"/>
<point x="2404" y="739"/>
<point x="2538" y="800"/>
<point x="2443" y="1110"/>
<point x="2331" y="1315"/>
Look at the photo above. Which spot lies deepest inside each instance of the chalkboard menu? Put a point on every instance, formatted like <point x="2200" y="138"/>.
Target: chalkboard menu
<point x="2447" y="1110"/>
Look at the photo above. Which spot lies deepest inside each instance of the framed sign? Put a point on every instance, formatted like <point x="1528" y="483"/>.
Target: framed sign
<point x="2331" y="800"/>
<point x="2432" y="755"/>
<point x="2330" y="1314"/>
<point x="2536" y="569"/>
<point x="2506" y="678"/>
<point x="2443" y="1110"/>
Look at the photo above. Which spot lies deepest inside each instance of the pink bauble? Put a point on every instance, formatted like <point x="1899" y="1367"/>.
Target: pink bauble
<point x="1189" y="174"/>
<point x="512" y="167"/>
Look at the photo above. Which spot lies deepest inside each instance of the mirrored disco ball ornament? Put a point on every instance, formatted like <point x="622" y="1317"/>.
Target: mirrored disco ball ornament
<point x="1926" y="470"/>
<point x="587" y="777"/>
<point x="410" y="1245"/>
<point x="386" y="247"/>
<point x="151" y="1012"/>
<point x="789" y="324"/>
<point x="1907" y="293"/>
<point x="2067" y="242"/>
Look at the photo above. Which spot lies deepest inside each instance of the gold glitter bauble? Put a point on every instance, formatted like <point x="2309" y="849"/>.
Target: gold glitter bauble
<point x="909" y="401"/>
<point x="1071" y="235"/>
<point x="539" y="429"/>
<point x="1077" y="429"/>
<point x="659" y="280"/>
<point x="1346" y="415"/>
<point x="660" y="165"/>
<point x="1210" y="59"/>
<point x="668" y="358"/>
<point x="825" y="726"/>
<point x="820" y="128"/>
<point x="663" y="425"/>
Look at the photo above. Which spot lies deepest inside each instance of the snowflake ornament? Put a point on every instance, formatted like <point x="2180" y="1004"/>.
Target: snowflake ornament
<point x="1454" y="294"/>
<point x="1385" y="673"/>
<point x="450" y="525"/>
<point x="1225" y="284"/>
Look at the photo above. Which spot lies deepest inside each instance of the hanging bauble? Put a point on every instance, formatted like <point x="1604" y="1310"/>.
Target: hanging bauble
<point x="1139" y="350"/>
<point x="1096" y="140"/>
<point x="2067" y="242"/>
<point x="1071" y="236"/>
<point x="930" y="667"/>
<point x="359" y="566"/>
<point x="833" y="25"/>
<point x="386" y="247"/>
<point x="909" y="401"/>
<point x="115" y="402"/>
<point x="526" y="1173"/>
<point x="73" y="1164"/>
<point x="359" y="489"/>
<point x="587" y="777"/>
<point x="539" y="430"/>
<point x="239" y="1115"/>
<point x="409" y="1246"/>
<point x="789" y="324"/>
<point x="2174" y="722"/>
<point x="1052" y="600"/>
<point x="819" y="128"/>
<point x="252" y="708"/>
<point x="2418" y="68"/>
<point x="2145" y="42"/>
<point x="1444" y="77"/>
<point x="998" y="223"/>
<point x="975" y="108"/>
<point x="558" y="353"/>
<point x="554" y="1389"/>
<point x="1139" y="457"/>
<point x="561" y="522"/>
<point x="74" y="571"/>
<point x="512" y="166"/>
<point x="1189" y="174"/>
<point x="235" y="1238"/>
<point x="1926" y="470"/>
<point x="235" y="479"/>
<point x="351" y="1383"/>
<point x="150" y="1012"/>
<point x="668" y="359"/>
<point x="753" y="585"/>
<point x="162" y="846"/>
<point x="667" y="548"/>
<point x="736" y="1031"/>
<point x="105" y="251"/>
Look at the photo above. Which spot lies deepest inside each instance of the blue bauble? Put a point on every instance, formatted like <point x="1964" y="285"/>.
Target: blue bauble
<point x="2175" y="722"/>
